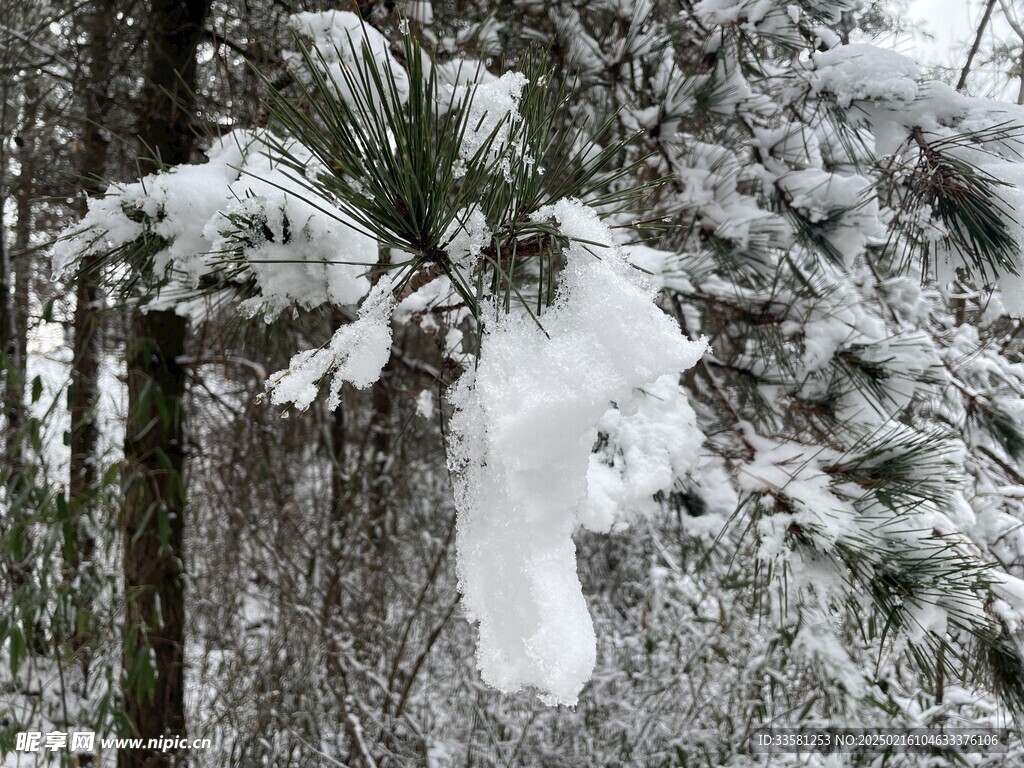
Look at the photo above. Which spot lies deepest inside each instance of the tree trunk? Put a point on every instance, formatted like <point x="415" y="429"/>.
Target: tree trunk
<point x="153" y="536"/>
<point x="8" y="347"/>
<point x="11" y="411"/>
<point x="13" y="343"/>
<point x="83" y="391"/>
<point x="20" y="255"/>
<point x="14" y="294"/>
<point x="166" y="130"/>
<point x="154" y="636"/>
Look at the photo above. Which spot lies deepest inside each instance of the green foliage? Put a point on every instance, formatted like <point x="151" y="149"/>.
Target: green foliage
<point x="395" y="167"/>
<point x="392" y="168"/>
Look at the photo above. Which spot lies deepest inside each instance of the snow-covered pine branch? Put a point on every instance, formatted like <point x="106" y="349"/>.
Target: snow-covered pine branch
<point x="846" y="234"/>
<point x="448" y="176"/>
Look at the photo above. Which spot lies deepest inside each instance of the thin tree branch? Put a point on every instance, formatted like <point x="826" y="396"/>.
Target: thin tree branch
<point x="962" y="82"/>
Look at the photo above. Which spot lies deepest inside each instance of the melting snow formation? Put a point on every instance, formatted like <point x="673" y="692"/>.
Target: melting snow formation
<point x="523" y="434"/>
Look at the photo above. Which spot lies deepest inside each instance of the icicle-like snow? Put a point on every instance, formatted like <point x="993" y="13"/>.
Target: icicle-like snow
<point x="522" y="438"/>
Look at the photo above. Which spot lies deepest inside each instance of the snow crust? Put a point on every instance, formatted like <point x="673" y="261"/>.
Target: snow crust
<point x="526" y="422"/>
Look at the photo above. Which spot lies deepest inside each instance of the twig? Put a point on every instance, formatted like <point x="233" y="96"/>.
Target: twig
<point x="962" y="82"/>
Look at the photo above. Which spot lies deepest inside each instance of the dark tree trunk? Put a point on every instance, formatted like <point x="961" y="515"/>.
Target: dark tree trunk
<point x="83" y="390"/>
<point x="155" y="434"/>
<point x="166" y="129"/>
<point x="15" y="294"/>
<point x="8" y="347"/>
<point x="153" y="535"/>
<point x="13" y="308"/>
<point x="84" y="381"/>
<point x="21" y="255"/>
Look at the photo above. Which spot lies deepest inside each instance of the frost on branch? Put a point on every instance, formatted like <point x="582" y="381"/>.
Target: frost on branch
<point x="522" y="437"/>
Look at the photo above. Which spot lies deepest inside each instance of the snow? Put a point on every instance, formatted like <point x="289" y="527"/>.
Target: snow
<point x="774" y="19"/>
<point x="525" y="425"/>
<point x="731" y="12"/>
<point x="582" y="53"/>
<point x="339" y="40"/>
<point x="649" y="441"/>
<point x="580" y="420"/>
<point x="1010" y="593"/>
<point x="310" y="254"/>
<point x="299" y="250"/>
<point x="466" y="237"/>
<point x="818" y="643"/>
<point x="493" y="109"/>
<point x="462" y="72"/>
<point x="425" y="404"/>
<point x="847" y="203"/>
<point x="792" y="469"/>
<point x="659" y="267"/>
<point x="356" y="353"/>
<point x="711" y="175"/>
<point x="421" y="11"/>
<point x="793" y="143"/>
<point x="1011" y="202"/>
<point x="861" y="72"/>
<point x="417" y="305"/>
<point x="883" y="90"/>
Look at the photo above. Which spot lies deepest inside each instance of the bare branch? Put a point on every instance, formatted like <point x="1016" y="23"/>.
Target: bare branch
<point x="962" y="82"/>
